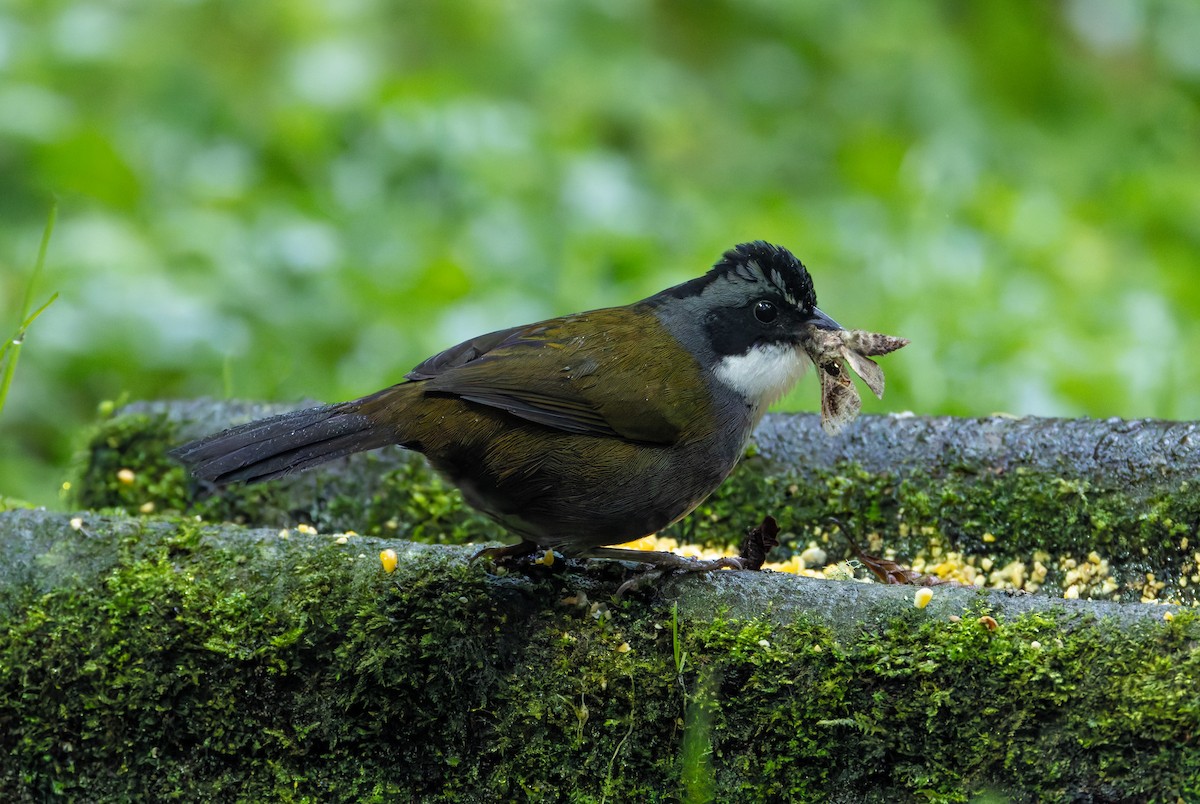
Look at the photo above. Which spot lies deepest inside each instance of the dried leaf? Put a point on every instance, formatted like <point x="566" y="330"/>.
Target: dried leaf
<point x="758" y="542"/>
<point x="888" y="571"/>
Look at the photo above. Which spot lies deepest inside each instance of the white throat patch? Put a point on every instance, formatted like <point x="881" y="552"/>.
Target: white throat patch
<point x="763" y="374"/>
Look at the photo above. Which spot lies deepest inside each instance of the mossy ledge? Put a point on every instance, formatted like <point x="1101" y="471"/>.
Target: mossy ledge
<point x="156" y="658"/>
<point x="1045" y="498"/>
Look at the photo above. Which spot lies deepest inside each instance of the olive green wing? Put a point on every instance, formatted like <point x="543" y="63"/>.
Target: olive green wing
<point x="591" y="373"/>
<point x="464" y="353"/>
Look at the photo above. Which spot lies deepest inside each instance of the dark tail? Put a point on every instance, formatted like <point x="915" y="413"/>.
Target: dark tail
<point x="283" y="444"/>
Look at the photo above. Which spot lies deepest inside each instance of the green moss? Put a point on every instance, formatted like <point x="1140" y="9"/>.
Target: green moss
<point x="12" y="504"/>
<point x="395" y="493"/>
<point x="125" y="466"/>
<point x="198" y="665"/>
<point x="927" y="709"/>
<point x="406" y="499"/>
<point x="1023" y="511"/>
<point x="135" y="443"/>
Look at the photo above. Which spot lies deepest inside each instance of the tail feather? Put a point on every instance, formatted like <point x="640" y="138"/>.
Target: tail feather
<point x="280" y="445"/>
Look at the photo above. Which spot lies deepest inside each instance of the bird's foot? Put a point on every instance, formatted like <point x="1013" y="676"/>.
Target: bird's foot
<point x="665" y="561"/>
<point x="660" y="564"/>
<point x="505" y="553"/>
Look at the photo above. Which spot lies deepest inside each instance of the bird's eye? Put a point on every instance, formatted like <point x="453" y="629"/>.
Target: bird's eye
<point x="765" y="312"/>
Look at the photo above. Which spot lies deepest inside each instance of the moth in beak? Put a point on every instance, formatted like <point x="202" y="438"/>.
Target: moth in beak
<point x="831" y="348"/>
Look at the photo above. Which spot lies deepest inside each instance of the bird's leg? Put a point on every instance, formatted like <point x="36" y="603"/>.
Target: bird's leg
<point x="662" y="560"/>
<point x="507" y="551"/>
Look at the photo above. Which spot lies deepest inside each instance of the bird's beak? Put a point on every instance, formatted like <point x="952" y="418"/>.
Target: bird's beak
<point x="822" y="321"/>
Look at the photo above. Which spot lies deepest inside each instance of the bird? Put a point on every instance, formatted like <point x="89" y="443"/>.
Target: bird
<point x="581" y="432"/>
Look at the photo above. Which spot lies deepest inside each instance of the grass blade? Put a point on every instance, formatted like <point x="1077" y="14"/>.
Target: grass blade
<point x="10" y="350"/>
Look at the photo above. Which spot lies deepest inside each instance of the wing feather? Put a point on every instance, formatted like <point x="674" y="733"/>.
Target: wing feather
<point x="577" y="374"/>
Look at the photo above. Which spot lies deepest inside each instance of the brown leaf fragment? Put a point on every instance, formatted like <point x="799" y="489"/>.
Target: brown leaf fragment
<point x="758" y="542"/>
<point x="886" y="570"/>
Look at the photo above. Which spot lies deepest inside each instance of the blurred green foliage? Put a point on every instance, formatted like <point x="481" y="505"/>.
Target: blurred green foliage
<point x="303" y="199"/>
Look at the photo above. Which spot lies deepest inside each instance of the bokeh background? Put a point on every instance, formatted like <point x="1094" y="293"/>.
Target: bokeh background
<point x="278" y="200"/>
